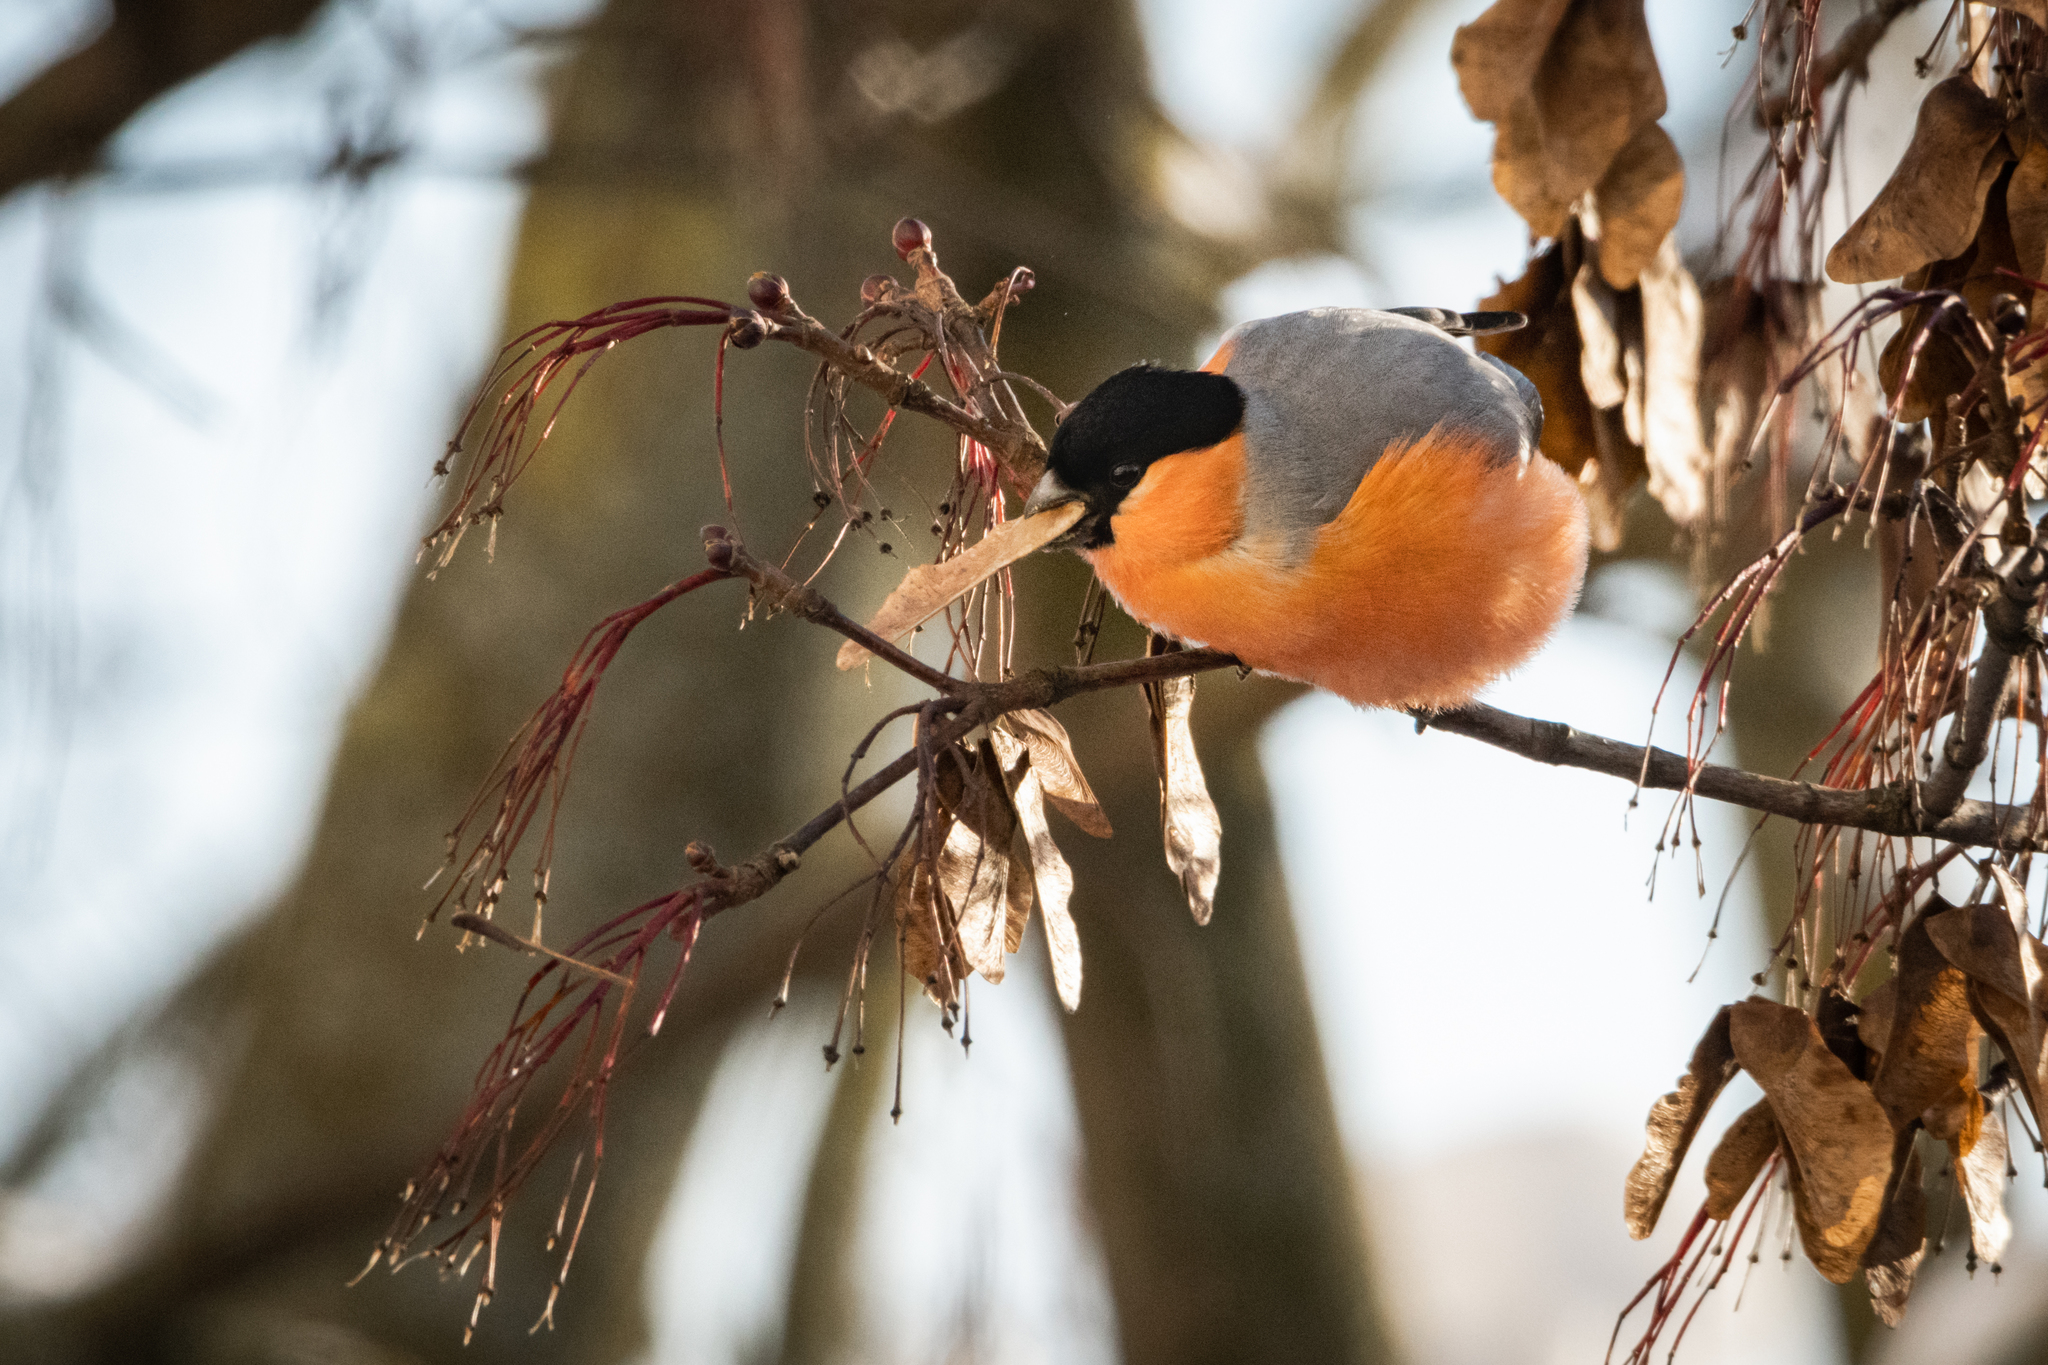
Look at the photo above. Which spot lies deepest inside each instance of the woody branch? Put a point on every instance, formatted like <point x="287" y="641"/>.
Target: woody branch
<point x="965" y="704"/>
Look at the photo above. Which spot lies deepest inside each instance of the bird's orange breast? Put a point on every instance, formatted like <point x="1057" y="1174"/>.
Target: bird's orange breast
<point x="1445" y="569"/>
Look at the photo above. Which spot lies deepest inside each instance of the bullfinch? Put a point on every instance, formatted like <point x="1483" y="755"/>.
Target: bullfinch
<point x="1343" y="496"/>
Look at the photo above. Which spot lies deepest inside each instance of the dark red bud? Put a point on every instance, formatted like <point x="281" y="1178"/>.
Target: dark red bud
<point x="747" y="330"/>
<point x="911" y="235"/>
<point x="1022" y="281"/>
<point x="2008" y="315"/>
<point x="769" y="293"/>
<point x="875" y="286"/>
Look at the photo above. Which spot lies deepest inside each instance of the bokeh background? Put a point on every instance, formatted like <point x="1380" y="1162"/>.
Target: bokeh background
<point x="1380" y="1110"/>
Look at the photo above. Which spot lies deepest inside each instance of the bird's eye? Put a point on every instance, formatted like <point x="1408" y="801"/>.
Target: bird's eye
<point x="1127" y="475"/>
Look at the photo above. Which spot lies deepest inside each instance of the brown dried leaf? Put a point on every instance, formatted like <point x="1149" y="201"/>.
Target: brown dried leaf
<point x="1893" y="1256"/>
<point x="1524" y="175"/>
<point x="1837" y="1138"/>
<point x="928" y="588"/>
<point x="1637" y="205"/>
<point x="1931" y="207"/>
<point x="1980" y="1175"/>
<point x="2012" y="895"/>
<point x="2026" y="213"/>
<point x="2026" y="210"/>
<point x="1597" y="309"/>
<point x="1673" y="1123"/>
<point x="1547" y="352"/>
<point x="1607" y="479"/>
<point x="1942" y="369"/>
<point x="1754" y="334"/>
<point x="1673" y="450"/>
<point x="1193" y="830"/>
<point x="1930" y="1051"/>
<point x="1018" y="776"/>
<point x="2008" y="989"/>
<point x="1017" y="901"/>
<point x="1496" y="55"/>
<point x="1598" y="86"/>
<point x="973" y="876"/>
<point x="922" y="936"/>
<point x="2037" y="10"/>
<point x="1874" y="1024"/>
<point x="1567" y="86"/>
<point x="1048" y="869"/>
<point x="1738" y="1156"/>
<point x="1059" y="772"/>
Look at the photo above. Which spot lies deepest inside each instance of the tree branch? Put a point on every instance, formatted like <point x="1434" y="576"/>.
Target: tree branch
<point x="1881" y="810"/>
<point x="57" y="123"/>
<point x="2008" y="637"/>
<point x="972" y="705"/>
<point x="799" y="599"/>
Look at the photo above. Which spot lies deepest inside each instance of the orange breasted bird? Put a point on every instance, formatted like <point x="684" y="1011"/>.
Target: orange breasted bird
<point x="1343" y="496"/>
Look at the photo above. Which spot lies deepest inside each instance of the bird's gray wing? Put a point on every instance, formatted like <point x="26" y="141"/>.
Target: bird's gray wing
<point x="1328" y="390"/>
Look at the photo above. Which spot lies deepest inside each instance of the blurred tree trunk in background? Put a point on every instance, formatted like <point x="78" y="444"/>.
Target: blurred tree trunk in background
<point x="694" y="142"/>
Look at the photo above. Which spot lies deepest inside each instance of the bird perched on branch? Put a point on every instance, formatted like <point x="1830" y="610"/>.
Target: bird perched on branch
<point x="1343" y="496"/>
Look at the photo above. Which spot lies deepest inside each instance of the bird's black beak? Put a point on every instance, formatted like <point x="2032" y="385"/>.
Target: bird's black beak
<point x="1050" y="493"/>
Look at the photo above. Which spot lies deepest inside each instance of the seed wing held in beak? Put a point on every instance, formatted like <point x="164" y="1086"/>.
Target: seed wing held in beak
<point x="1049" y="493"/>
<point x="927" y="589"/>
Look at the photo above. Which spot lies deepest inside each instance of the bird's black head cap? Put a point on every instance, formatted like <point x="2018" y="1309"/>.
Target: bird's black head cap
<point x="1130" y="420"/>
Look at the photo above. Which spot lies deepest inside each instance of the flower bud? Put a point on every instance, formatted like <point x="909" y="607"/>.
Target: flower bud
<point x="747" y="330"/>
<point x="911" y="236"/>
<point x="769" y="293"/>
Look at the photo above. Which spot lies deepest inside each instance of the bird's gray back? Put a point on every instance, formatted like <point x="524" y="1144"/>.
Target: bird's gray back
<point x="1328" y="390"/>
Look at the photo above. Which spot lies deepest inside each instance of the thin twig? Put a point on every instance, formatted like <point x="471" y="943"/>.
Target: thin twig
<point x="1849" y="56"/>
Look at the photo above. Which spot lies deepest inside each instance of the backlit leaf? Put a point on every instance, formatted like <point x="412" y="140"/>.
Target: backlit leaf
<point x="1673" y="450"/>
<point x="1838" y="1140"/>
<point x="1930" y="208"/>
<point x="2008" y="990"/>
<point x="1931" y="1048"/>
<point x="1980" y="1174"/>
<point x="974" y="864"/>
<point x="1637" y="202"/>
<point x="1059" y="772"/>
<point x="1193" y="830"/>
<point x="1048" y="869"/>
<point x="1893" y="1256"/>
<point x="1738" y="1156"/>
<point x="922" y="935"/>
<point x="1567" y="86"/>
<point x="1547" y="351"/>
<point x="928" y="588"/>
<point x="1673" y="1123"/>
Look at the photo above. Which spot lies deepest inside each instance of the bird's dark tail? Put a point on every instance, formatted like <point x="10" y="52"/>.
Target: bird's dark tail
<point x="1465" y="324"/>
